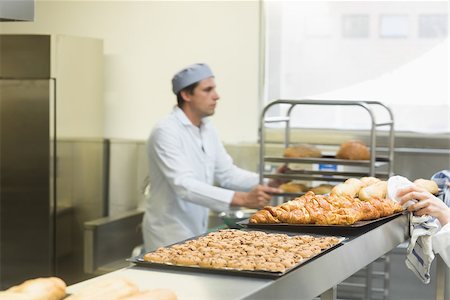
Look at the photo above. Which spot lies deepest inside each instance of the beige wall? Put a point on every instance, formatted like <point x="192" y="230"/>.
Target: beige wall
<point x="146" y="42"/>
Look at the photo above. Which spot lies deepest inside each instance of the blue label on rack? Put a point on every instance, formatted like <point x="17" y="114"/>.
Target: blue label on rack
<point x="327" y="167"/>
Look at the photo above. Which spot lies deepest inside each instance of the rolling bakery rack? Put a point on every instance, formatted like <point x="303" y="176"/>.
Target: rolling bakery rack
<point x="379" y="165"/>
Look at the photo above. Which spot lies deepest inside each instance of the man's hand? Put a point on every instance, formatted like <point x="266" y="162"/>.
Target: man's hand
<point x="276" y="182"/>
<point x="258" y="197"/>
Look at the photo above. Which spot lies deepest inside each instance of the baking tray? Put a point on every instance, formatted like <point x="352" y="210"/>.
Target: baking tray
<point x="139" y="261"/>
<point x="327" y="159"/>
<point x="341" y="230"/>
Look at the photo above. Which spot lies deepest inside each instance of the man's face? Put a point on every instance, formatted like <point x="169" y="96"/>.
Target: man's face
<point x="204" y="98"/>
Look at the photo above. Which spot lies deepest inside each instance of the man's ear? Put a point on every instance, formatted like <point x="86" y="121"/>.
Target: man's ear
<point x="185" y="95"/>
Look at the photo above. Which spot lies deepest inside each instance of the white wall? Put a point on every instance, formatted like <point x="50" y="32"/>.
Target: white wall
<point x="146" y="42"/>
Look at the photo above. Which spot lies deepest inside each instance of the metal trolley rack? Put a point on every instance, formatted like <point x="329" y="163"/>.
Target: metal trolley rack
<point x="371" y="167"/>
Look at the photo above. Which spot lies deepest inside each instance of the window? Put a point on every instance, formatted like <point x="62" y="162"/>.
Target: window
<point x="394" y="26"/>
<point x="355" y="26"/>
<point x="389" y="51"/>
<point x="433" y="26"/>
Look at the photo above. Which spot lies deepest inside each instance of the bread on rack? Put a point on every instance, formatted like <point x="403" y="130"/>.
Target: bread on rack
<point x="353" y="150"/>
<point x="429" y="185"/>
<point x="51" y="288"/>
<point x="376" y="190"/>
<point x="302" y="150"/>
<point x="293" y="187"/>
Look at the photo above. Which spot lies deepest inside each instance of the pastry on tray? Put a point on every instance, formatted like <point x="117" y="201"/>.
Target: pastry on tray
<point x="349" y="202"/>
<point x="243" y="250"/>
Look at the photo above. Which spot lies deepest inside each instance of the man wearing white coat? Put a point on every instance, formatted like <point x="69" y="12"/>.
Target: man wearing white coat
<point x="186" y="159"/>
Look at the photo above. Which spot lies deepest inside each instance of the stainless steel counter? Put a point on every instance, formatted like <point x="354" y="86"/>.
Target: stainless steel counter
<point x="317" y="277"/>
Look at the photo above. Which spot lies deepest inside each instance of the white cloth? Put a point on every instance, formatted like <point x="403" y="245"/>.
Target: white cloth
<point x="419" y="254"/>
<point x="441" y="243"/>
<point x="184" y="163"/>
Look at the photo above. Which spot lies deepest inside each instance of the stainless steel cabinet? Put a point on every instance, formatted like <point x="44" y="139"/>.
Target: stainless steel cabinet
<point x="51" y="175"/>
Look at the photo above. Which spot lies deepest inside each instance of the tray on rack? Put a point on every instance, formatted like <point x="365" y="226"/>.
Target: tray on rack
<point x="356" y="228"/>
<point x="139" y="261"/>
<point x="327" y="159"/>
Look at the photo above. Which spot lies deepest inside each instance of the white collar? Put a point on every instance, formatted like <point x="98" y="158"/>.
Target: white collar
<point x="179" y="113"/>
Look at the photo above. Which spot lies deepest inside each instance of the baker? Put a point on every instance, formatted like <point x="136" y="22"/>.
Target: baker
<point x="190" y="170"/>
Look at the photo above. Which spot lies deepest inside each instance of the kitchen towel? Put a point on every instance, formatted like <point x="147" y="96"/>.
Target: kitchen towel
<point x="419" y="254"/>
<point x="441" y="178"/>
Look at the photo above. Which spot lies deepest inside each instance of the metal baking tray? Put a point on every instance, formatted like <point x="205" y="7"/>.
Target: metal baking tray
<point x="139" y="261"/>
<point x="341" y="230"/>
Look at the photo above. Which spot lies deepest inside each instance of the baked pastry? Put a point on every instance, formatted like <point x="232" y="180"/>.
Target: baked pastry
<point x="326" y="210"/>
<point x="429" y="185"/>
<point x="51" y="288"/>
<point x="302" y="150"/>
<point x="293" y="187"/>
<point x="376" y="190"/>
<point x="247" y="250"/>
<point x="353" y="150"/>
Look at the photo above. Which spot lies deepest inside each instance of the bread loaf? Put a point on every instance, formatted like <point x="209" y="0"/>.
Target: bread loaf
<point x="349" y="188"/>
<point x="353" y="150"/>
<point x="302" y="150"/>
<point x="366" y="181"/>
<point x="376" y="190"/>
<point x="51" y="288"/>
<point x="293" y="187"/>
<point x="429" y="185"/>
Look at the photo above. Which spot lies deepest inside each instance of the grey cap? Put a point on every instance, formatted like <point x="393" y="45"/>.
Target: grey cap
<point x="190" y="75"/>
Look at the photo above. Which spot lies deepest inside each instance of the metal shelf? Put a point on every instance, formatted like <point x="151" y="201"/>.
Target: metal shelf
<point x="322" y="176"/>
<point x="375" y="161"/>
<point x="379" y="161"/>
<point x="362" y="167"/>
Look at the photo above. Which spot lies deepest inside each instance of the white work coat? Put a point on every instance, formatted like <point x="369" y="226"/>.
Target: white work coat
<point x="184" y="163"/>
<point x="441" y="243"/>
